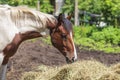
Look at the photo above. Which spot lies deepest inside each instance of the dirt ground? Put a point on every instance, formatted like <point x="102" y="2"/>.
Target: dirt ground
<point x="35" y="53"/>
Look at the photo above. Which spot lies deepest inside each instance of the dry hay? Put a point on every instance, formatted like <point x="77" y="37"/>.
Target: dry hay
<point x="81" y="70"/>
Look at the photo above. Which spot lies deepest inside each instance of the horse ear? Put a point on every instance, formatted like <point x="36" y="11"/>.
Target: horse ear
<point x="69" y="17"/>
<point x="60" y="17"/>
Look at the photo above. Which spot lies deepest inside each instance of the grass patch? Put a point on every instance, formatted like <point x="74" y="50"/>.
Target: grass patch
<point x="81" y="70"/>
<point x="47" y="40"/>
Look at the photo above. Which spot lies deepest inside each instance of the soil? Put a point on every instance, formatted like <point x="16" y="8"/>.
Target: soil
<point x="32" y="54"/>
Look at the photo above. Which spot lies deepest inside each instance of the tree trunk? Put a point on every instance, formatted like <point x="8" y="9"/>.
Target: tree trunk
<point x="58" y="6"/>
<point x="38" y="5"/>
<point x="76" y="22"/>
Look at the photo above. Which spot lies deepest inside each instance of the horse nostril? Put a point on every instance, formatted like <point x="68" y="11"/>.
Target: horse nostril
<point x="73" y="59"/>
<point x="70" y="61"/>
<point x="67" y="60"/>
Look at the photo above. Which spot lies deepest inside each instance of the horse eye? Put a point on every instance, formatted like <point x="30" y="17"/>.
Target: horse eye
<point x="64" y="36"/>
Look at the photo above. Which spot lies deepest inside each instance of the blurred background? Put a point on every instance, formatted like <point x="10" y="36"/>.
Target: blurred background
<point x="92" y="12"/>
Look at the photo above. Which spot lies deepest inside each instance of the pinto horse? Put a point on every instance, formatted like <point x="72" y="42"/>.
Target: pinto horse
<point x="18" y="24"/>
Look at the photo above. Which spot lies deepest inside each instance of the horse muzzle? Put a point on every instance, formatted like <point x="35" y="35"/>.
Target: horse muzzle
<point x="69" y="61"/>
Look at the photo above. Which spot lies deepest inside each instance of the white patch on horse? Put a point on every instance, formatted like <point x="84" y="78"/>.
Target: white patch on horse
<point x="3" y="68"/>
<point x="1" y="58"/>
<point x="7" y="29"/>
<point x="75" y="53"/>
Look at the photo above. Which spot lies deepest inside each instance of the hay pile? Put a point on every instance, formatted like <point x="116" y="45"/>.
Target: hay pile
<point x="82" y="70"/>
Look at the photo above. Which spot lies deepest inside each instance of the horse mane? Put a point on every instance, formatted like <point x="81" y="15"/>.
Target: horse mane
<point x="68" y="25"/>
<point x="22" y="16"/>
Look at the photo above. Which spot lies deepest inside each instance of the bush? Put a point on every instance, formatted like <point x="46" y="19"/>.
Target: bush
<point x="109" y="35"/>
<point x="104" y="39"/>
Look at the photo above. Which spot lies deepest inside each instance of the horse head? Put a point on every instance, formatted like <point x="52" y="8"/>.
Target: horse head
<point x="62" y="38"/>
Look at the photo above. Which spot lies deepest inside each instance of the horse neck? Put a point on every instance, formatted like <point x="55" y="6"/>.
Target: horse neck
<point x="36" y="25"/>
<point x="29" y="25"/>
<point x="31" y="20"/>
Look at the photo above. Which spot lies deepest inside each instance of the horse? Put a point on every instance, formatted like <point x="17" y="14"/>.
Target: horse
<point x="62" y="38"/>
<point x="18" y="24"/>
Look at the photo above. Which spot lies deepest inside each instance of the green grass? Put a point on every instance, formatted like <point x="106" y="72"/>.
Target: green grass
<point x="47" y="40"/>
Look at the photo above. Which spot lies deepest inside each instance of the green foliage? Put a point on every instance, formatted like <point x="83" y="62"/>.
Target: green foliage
<point x="86" y="31"/>
<point x="31" y="3"/>
<point x="93" y="6"/>
<point x="45" y="5"/>
<point x="104" y="39"/>
<point x="68" y="7"/>
<point x="109" y="35"/>
<point x="111" y="6"/>
<point x="47" y="40"/>
<point x="11" y="2"/>
<point x="109" y="9"/>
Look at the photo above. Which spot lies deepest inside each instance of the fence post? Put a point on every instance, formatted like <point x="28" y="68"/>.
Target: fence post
<point x="76" y="22"/>
<point x="38" y="5"/>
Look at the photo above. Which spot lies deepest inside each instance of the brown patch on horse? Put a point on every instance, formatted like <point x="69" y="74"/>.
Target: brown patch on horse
<point x="11" y="48"/>
<point x="30" y="35"/>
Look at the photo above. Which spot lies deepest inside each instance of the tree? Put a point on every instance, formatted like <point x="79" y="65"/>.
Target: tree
<point x="68" y="7"/>
<point x="44" y="7"/>
<point x="11" y="2"/>
<point x="76" y="13"/>
<point x="109" y="9"/>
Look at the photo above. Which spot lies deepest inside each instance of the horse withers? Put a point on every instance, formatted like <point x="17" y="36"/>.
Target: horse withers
<point x="18" y="24"/>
